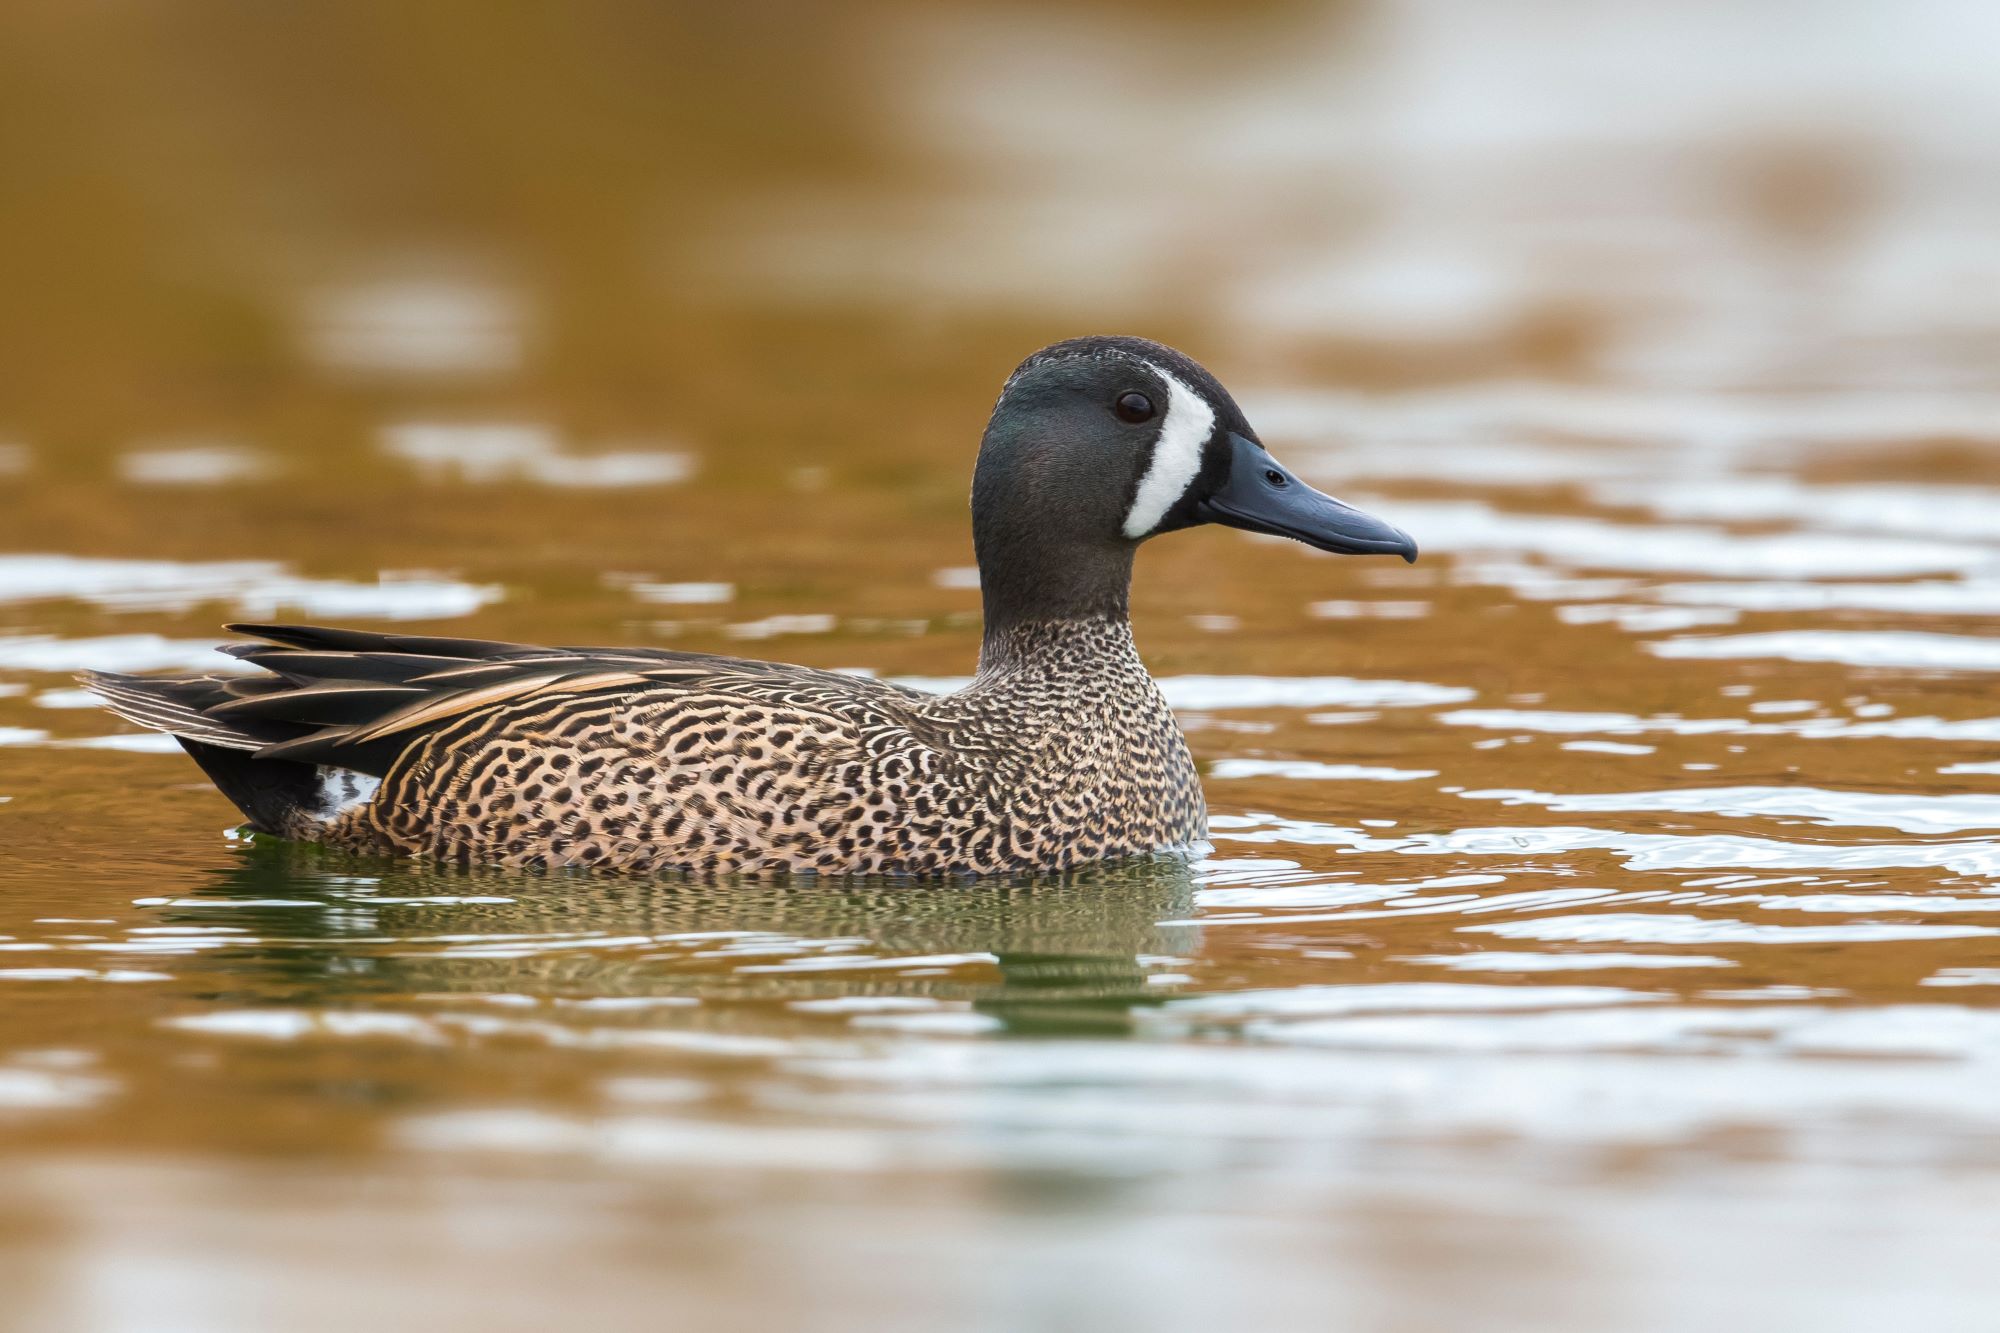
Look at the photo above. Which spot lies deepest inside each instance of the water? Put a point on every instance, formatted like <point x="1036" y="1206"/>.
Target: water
<point x="1600" y="929"/>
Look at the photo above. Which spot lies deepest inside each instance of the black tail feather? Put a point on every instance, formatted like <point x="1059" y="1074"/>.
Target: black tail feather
<point x="319" y="638"/>
<point x="336" y="704"/>
<point x="277" y="796"/>
<point x="301" y="666"/>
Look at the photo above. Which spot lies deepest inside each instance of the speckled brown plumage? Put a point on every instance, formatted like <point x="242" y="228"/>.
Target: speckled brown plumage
<point x="1065" y="755"/>
<point x="1060" y="753"/>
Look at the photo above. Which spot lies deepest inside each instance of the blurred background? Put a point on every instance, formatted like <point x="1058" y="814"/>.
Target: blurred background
<point x="1599" y="932"/>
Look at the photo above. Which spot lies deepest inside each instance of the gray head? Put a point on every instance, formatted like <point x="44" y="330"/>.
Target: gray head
<point x="1098" y="444"/>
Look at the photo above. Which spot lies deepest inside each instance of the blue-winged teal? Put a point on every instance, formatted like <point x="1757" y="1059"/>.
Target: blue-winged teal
<point x="1060" y="752"/>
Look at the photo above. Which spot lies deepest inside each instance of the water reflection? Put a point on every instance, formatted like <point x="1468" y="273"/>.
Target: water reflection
<point x="484" y="453"/>
<point x="1859" y="648"/>
<point x="248" y="588"/>
<point x="296" y="926"/>
<point x="193" y="465"/>
<point x="434" y="322"/>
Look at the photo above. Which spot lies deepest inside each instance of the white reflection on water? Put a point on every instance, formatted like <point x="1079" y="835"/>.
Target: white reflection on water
<point x="1520" y="1078"/>
<point x="1596" y="543"/>
<point x="1311" y="771"/>
<point x="682" y="594"/>
<point x="440" y="1029"/>
<point x="431" y="325"/>
<point x="484" y="453"/>
<point x="1265" y="885"/>
<point x="113" y="652"/>
<point x="194" y="465"/>
<point x="137" y="742"/>
<point x="115" y="975"/>
<point x="771" y="627"/>
<point x="1911" y="1032"/>
<point x="1628" y="724"/>
<point x="667" y="1140"/>
<point x="1638" y="851"/>
<point x="30" y="1085"/>
<point x="1971" y="597"/>
<point x="1675" y="928"/>
<point x="1527" y="431"/>
<point x="1540" y="583"/>
<point x="1963" y="976"/>
<point x="1862" y="648"/>
<point x="1413" y="997"/>
<point x="67" y="699"/>
<point x="1356" y="610"/>
<point x="1497" y="960"/>
<point x="1968" y="512"/>
<point x="1904" y="811"/>
<point x="1198" y="692"/>
<point x="1645" y="619"/>
<point x="255" y="588"/>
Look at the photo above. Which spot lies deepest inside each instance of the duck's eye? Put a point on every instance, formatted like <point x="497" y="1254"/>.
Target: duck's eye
<point x="1134" y="407"/>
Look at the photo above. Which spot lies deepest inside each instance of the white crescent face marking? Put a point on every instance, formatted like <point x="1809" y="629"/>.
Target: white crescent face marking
<point x="1176" y="456"/>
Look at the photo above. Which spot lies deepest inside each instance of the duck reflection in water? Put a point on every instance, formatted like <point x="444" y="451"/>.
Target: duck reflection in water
<point x="1068" y="951"/>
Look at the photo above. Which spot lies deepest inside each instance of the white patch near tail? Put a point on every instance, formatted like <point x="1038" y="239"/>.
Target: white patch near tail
<point x="342" y="789"/>
<point x="1176" y="456"/>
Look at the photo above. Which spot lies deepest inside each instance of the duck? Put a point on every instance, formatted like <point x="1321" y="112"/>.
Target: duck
<point x="1060" y="753"/>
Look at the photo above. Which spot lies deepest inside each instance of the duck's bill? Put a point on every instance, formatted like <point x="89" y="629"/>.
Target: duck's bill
<point x="1262" y="495"/>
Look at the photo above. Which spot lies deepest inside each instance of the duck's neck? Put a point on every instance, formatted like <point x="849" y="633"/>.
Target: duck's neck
<point x="1049" y="548"/>
<point x="1032" y="584"/>
<point x="1043" y="603"/>
<point x="1068" y="647"/>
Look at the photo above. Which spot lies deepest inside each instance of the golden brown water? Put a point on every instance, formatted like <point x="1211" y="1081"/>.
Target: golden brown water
<point x="1600" y="931"/>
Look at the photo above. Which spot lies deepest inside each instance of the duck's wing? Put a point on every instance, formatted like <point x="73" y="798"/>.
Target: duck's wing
<point x="357" y="699"/>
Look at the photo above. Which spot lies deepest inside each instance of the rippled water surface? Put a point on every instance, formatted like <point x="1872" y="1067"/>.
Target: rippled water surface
<point x="1600" y="930"/>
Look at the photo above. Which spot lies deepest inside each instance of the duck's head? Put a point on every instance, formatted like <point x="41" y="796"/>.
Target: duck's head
<point x="1098" y="444"/>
